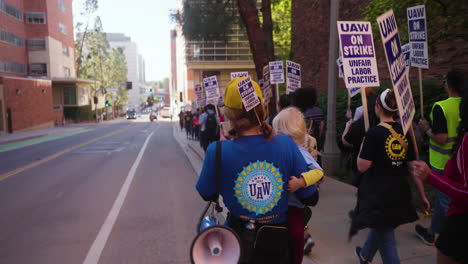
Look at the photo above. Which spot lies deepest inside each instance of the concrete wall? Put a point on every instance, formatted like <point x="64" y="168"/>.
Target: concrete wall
<point x="30" y="102"/>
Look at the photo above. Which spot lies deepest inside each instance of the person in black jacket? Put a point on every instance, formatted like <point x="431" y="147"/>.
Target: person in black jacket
<point x="384" y="195"/>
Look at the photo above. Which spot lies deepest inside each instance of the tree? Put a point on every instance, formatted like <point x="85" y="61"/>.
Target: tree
<point x="281" y="16"/>
<point x="90" y="7"/>
<point x="211" y="19"/>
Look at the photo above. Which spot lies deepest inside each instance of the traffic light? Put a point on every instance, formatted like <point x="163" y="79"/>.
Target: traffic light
<point x="95" y="99"/>
<point x="107" y="103"/>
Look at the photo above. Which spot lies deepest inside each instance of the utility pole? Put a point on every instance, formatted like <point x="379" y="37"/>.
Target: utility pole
<point x="95" y="95"/>
<point x="331" y="155"/>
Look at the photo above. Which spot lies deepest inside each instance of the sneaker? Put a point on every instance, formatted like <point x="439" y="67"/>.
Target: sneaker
<point x="308" y="245"/>
<point x="423" y="233"/>
<point x="358" y="254"/>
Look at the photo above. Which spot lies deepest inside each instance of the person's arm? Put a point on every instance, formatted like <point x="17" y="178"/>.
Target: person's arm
<point x="368" y="152"/>
<point x="206" y="182"/>
<point x="202" y="119"/>
<point x="438" y="131"/>
<point x="345" y="132"/>
<point x="307" y="195"/>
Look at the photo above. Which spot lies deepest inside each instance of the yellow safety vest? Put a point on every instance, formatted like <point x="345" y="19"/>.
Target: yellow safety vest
<point x="440" y="154"/>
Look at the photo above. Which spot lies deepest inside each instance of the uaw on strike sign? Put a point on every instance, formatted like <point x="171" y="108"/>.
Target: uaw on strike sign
<point x="417" y="30"/>
<point x="396" y="65"/>
<point x="293" y="76"/>
<point x="248" y="94"/>
<point x="212" y="90"/>
<point x="358" y="54"/>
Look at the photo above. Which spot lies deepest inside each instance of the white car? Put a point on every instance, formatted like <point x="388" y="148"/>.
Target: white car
<point x="166" y="112"/>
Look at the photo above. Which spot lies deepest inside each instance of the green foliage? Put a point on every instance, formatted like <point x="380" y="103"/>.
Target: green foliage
<point x="207" y="19"/>
<point x="107" y="66"/>
<point x="445" y="19"/>
<point x="78" y="113"/>
<point x="281" y="16"/>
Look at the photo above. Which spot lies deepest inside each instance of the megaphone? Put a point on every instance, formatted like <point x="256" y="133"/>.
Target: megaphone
<point x="215" y="244"/>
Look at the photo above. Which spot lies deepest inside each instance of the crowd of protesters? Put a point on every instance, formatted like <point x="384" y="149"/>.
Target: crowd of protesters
<point x="289" y="144"/>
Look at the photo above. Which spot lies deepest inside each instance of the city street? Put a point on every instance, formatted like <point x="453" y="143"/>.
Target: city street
<point x="118" y="193"/>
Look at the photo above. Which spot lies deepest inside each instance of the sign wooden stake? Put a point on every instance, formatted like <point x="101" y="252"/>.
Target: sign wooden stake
<point x="421" y="97"/>
<point x="365" y="110"/>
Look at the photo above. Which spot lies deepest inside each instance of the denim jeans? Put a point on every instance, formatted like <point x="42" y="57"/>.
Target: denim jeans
<point x="382" y="239"/>
<point x="440" y="212"/>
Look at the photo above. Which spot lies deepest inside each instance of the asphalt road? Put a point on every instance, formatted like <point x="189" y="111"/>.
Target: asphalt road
<point x="136" y="184"/>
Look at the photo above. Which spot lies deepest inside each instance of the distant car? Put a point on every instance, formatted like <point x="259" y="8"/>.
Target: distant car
<point x="166" y="112"/>
<point x="131" y="114"/>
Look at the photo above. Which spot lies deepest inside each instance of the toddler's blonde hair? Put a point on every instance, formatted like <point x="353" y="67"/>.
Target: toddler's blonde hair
<point x="290" y="122"/>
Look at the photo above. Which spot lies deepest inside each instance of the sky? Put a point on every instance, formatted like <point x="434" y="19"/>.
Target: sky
<point x="147" y="22"/>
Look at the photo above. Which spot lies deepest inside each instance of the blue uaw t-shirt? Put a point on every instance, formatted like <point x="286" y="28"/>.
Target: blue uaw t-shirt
<point x="255" y="175"/>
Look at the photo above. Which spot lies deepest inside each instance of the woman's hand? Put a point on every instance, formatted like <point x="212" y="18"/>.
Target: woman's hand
<point x="419" y="169"/>
<point x="295" y="183"/>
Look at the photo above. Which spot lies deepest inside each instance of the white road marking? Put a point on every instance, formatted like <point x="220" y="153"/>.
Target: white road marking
<point x="99" y="243"/>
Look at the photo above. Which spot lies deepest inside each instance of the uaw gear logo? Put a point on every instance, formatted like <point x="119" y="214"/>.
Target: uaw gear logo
<point x="395" y="151"/>
<point x="258" y="187"/>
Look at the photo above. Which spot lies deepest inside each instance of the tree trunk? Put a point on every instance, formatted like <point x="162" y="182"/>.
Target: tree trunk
<point x="249" y="15"/>
<point x="260" y="39"/>
<point x="267" y="28"/>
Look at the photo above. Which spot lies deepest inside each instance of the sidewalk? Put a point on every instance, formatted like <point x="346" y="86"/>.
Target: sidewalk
<point x="330" y="223"/>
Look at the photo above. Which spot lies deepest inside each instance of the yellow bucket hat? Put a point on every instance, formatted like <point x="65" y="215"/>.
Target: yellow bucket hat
<point x="232" y="97"/>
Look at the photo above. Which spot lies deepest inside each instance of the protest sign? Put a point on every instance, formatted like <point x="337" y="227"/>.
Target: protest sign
<point x="406" y="53"/>
<point x="339" y="63"/>
<point x="293" y="76"/>
<point x="247" y="93"/>
<point x="396" y="65"/>
<point x="358" y="54"/>
<point x="235" y="75"/>
<point x="417" y="30"/>
<point x="211" y="90"/>
<point x="353" y="91"/>
<point x="267" y="92"/>
<point x="276" y="72"/>
<point x="199" y="94"/>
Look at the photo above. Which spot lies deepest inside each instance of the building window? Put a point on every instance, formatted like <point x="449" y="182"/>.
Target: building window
<point x="63" y="28"/>
<point x="11" y="38"/>
<point x="69" y="95"/>
<point x="35" y="18"/>
<point x="11" y="10"/>
<point x="61" y="5"/>
<point x="36" y="44"/>
<point x="12" y="67"/>
<point x="38" y="69"/>
<point x="66" y="72"/>
<point x="65" y="50"/>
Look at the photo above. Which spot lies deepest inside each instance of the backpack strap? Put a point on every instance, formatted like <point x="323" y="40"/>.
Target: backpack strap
<point x="395" y="135"/>
<point x="218" y="170"/>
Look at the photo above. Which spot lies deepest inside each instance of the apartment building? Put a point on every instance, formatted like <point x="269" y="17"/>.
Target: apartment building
<point x="135" y="65"/>
<point x="197" y="59"/>
<point x="37" y="51"/>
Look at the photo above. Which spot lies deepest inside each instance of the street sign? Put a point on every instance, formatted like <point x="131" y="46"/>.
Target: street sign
<point x="293" y="76"/>
<point x="406" y="49"/>
<point x="235" y="75"/>
<point x="396" y="65"/>
<point x="417" y="30"/>
<point x="358" y="54"/>
<point x="211" y="90"/>
<point x="276" y="72"/>
<point x="248" y="94"/>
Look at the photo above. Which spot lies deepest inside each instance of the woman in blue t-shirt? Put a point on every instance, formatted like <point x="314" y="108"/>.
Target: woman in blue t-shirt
<point x="256" y="166"/>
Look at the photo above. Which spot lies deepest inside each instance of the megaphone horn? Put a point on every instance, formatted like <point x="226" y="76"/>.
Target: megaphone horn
<point x="216" y="244"/>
